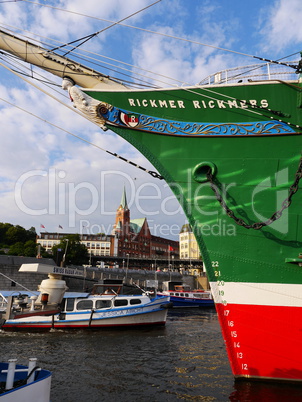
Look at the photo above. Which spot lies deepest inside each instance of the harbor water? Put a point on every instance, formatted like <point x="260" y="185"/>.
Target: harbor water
<point x="183" y="361"/>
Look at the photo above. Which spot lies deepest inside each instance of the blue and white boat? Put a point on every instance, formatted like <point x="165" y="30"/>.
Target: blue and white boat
<point x="182" y="295"/>
<point x="105" y="306"/>
<point x="24" y="383"/>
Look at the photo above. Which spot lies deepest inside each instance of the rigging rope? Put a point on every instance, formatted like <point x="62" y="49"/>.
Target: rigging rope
<point x="216" y="96"/>
<point x="19" y="284"/>
<point x="116" y="68"/>
<point x="88" y="37"/>
<point x="189" y="90"/>
<point x="150" y="172"/>
<point x="161" y="34"/>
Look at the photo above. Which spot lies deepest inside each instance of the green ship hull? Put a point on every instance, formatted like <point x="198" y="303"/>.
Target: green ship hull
<point x="254" y="270"/>
<point x="255" y="275"/>
<point x="231" y="153"/>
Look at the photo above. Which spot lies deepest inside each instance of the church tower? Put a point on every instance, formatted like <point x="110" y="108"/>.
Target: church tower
<point x="122" y="218"/>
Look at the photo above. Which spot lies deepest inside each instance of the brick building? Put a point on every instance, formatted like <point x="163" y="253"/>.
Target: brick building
<point x="135" y="239"/>
<point x="129" y="238"/>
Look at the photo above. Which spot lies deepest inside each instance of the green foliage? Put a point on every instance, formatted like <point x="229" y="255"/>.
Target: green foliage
<point x="76" y="252"/>
<point x="18" y="240"/>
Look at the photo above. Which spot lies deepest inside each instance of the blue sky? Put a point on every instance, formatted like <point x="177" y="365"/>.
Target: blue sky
<point x="47" y="176"/>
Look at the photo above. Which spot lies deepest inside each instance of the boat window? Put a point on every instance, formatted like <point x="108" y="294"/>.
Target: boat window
<point x="176" y="294"/>
<point x="135" y="301"/>
<point x="202" y="296"/>
<point x="85" y="305"/>
<point x="103" y="303"/>
<point x="70" y="304"/>
<point x="186" y="294"/>
<point x="120" y="302"/>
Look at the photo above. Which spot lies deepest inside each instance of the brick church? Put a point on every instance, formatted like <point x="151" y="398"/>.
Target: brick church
<point x="135" y="239"/>
<point x="129" y="238"/>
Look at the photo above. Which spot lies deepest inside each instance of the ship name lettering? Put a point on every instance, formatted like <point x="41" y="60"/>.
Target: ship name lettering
<point x="222" y="104"/>
<point x="232" y="103"/>
<point x="154" y="103"/>
<point x="264" y="103"/>
<point x="198" y="104"/>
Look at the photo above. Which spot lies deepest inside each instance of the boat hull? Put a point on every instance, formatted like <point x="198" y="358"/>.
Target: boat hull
<point x="38" y="391"/>
<point x="189" y="298"/>
<point x="254" y="173"/>
<point x="263" y="344"/>
<point x="155" y="314"/>
<point x="187" y="302"/>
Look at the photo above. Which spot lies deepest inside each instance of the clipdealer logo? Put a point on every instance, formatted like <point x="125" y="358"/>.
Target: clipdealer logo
<point x="59" y="196"/>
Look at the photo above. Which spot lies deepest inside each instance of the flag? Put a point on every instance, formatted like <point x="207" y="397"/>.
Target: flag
<point x="171" y="248"/>
<point x="42" y="226"/>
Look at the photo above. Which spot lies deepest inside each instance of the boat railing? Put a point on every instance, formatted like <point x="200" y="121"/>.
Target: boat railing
<point x="253" y="72"/>
<point x="3" y="303"/>
<point x="12" y="370"/>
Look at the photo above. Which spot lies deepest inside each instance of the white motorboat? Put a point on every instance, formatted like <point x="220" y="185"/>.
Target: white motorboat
<point x="105" y="306"/>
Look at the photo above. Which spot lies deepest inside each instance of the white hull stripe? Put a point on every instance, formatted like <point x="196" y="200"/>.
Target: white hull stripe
<point x="262" y="294"/>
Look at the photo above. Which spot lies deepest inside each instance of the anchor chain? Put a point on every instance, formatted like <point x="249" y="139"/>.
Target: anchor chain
<point x="150" y="172"/>
<point x="258" y="225"/>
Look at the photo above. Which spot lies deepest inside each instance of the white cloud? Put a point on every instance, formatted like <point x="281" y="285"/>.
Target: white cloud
<point x="29" y="145"/>
<point x="282" y="25"/>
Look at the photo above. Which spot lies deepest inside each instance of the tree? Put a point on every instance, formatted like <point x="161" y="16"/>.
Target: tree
<point x="16" y="234"/>
<point x="76" y="252"/>
<point x="16" y="249"/>
<point x="30" y="248"/>
<point x="18" y="240"/>
<point x="31" y="234"/>
<point x="3" y="229"/>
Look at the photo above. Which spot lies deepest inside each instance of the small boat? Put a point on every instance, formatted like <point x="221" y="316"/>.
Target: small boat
<point x="181" y="295"/>
<point x="230" y="150"/>
<point x="106" y="306"/>
<point x="24" y="383"/>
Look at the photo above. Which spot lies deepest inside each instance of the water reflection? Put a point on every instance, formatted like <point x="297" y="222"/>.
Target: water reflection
<point x="249" y="391"/>
<point x="185" y="361"/>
